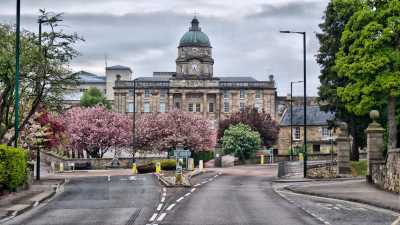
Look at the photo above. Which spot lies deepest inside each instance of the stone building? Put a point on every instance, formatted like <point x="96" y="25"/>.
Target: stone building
<point x="193" y="86"/>
<point x="320" y="139"/>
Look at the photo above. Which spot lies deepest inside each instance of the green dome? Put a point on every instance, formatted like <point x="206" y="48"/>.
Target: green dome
<point x="194" y="37"/>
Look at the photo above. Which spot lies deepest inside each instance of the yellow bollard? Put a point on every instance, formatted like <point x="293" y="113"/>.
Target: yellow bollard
<point x="262" y="159"/>
<point x="61" y="167"/>
<point x="134" y="169"/>
<point x="158" y="167"/>
<point x="301" y="158"/>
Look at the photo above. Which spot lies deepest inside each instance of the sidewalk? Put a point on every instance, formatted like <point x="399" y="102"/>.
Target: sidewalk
<point x="13" y="204"/>
<point x="350" y="190"/>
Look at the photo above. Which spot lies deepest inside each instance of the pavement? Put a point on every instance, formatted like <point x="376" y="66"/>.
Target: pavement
<point x="357" y="190"/>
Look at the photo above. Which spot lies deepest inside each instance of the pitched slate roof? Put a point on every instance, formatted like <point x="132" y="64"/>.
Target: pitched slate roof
<point x="89" y="78"/>
<point x="237" y="79"/>
<point x="314" y="116"/>
<point x="118" y="67"/>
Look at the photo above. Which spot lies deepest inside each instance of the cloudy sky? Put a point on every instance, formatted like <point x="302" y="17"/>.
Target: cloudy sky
<point x="144" y="34"/>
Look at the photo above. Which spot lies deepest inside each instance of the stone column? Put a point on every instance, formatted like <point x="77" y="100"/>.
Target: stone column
<point x="217" y="106"/>
<point x="171" y="101"/>
<point x="205" y="104"/>
<point x="343" y="151"/>
<point x="375" y="142"/>
<point x="183" y="102"/>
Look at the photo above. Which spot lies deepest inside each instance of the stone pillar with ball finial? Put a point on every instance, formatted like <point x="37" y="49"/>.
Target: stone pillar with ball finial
<point x="343" y="151"/>
<point x="375" y="141"/>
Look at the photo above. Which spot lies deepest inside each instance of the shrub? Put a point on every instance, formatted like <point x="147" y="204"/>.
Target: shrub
<point x="203" y="155"/>
<point x="146" y="168"/>
<point x="13" y="167"/>
<point x="241" y="140"/>
<point x="359" y="168"/>
<point x="166" y="164"/>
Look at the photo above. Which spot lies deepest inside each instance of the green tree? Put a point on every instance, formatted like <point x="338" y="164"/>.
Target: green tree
<point x="241" y="140"/>
<point x="337" y="14"/>
<point x="94" y="97"/>
<point x="44" y="71"/>
<point x="369" y="58"/>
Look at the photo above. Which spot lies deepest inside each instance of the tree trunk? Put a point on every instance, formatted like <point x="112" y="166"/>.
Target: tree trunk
<point x="355" y="156"/>
<point x="392" y="125"/>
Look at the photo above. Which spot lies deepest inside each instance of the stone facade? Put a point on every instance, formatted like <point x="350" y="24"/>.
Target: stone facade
<point x="193" y="86"/>
<point x="386" y="175"/>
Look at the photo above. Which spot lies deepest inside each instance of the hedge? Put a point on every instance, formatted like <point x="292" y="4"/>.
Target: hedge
<point x="166" y="164"/>
<point x="202" y="155"/>
<point x="13" y="167"/>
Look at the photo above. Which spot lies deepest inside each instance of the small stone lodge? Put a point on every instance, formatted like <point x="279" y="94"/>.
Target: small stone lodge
<point x="193" y="87"/>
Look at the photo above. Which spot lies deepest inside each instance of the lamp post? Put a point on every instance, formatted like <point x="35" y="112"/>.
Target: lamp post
<point x="17" y="73"/>
<point x="291" y="116"/>
<point x="134" y="119"/>
<point x="305" y="94"/>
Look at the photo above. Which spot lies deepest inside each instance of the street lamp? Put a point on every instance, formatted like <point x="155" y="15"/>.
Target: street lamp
<point x="17" y="73"/>
<point x="291" y="116"/>
<point x="305" y="94"/>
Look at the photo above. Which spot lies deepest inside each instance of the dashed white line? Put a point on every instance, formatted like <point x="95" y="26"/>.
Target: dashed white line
<point x="187" y="194"/>
<point x="193" y="189"/>
<point x="170" y="206"/>
<point x="164" y="189"/>
<point x="204" y="182"/>
<point x="159" y="206"/>
<point x="163" y="199"/>
<point x="161" y="217"/>
<point x="179" y="199"/>
<point x="196" y="185"/>
<point x="164" y="194"/>
<point x="153" y="217"/>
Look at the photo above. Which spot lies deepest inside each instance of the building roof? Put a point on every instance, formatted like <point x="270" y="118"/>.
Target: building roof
<point x="118" y="67"/>
<point x="314" y="116"/>
<point x="153" y="79"/>
<point x="194" y="37"/>
<point x="237" y="79"/>
<point x="90" y="78"/>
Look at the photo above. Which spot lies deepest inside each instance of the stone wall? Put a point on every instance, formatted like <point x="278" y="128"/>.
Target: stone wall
<point x="101" y="163"/>
<point x="386" y="175"/>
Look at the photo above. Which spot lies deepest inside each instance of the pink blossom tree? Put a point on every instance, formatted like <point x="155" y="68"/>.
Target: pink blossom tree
<point x="163" y="131"/>
<point x="96" y="130"/>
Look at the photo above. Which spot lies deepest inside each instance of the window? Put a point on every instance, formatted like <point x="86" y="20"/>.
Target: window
<point x="226" y="94"/>
<point x="198" y="107"/>
<point x="146" y="93"/>
<point x="258" y="94"/>
<point x="257" y="106"/>
<point x="190" y="107"/>
<point x="146" y="107"/>
<point x="242" y="106"/>
<point x="163" y="93"/>
<point x="177" y="105"/>
<point x="211" y="107"/>
<point x="326" y="133"/>
<point x="242" y="94"/>
<point x="296" y="133"/>
<point x="162" y="106"/>
<point x="130" y="93"/>
<point x="130" y="107"/>
<point x="226" y="106"/>
<point x="316" y="148"/>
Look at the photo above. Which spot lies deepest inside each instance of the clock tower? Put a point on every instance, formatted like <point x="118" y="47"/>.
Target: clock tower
<point x="194" y="54"/>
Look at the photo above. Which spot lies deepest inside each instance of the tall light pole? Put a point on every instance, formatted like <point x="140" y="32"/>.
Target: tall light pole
<point x="17" y="73"/>
<point x="291" y="116"/>
<point x="305" y="94"/>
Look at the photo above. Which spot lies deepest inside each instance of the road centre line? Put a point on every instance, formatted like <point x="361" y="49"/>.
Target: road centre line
<point x="153" y="217"/>
<point x="159" y="206"/>
<point x="163" y="199"/>
<point x="171" y="206"/>
<point x="161" y="217"/>
<point x="179" y="199"/>
<point x="187" y="194"/>
<point x="193" y="189"/>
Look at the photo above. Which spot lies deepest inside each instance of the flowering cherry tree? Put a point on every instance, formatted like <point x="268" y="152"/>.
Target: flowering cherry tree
<point x="96" y="130"/>
<point x="163" y="131"/>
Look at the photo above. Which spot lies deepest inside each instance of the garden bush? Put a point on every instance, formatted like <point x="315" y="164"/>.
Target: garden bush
<point x="166" y="164"/>
<point x="203" y="155"/>
<point x="146" y="168"/>
<point x="13" y="167"/>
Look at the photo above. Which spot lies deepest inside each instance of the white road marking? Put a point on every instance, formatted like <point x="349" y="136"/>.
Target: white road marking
<point x="193" y="189"/>
<point x="162" y="216"/>
<point x="164" y="189"/>
<point x="170" y="206"/>
<point x="187" y="194"/>
<point x="164" y="194"/>
<point x="196" y="185"/>
<point x="153" y="217"/>
<point x="159" y="206"/>
<point x="396" y="222"/>
<point x="216" y="175"/>
<point x="204" y="182"/>
<point x="211" y="179"/>
<point x="132" y="178"/>
<point x="162" y="199"/>
<point x="109" y="178"/>
<point x="179" y="199"/>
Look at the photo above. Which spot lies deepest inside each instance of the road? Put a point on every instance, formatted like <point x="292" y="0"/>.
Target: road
<point x="95" y="200"/>
<point x="246" y="196"/>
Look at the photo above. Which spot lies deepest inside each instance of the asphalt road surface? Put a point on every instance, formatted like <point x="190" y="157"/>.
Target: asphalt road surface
<point x="97" y="201"/>
<point x="237" y="197"/>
